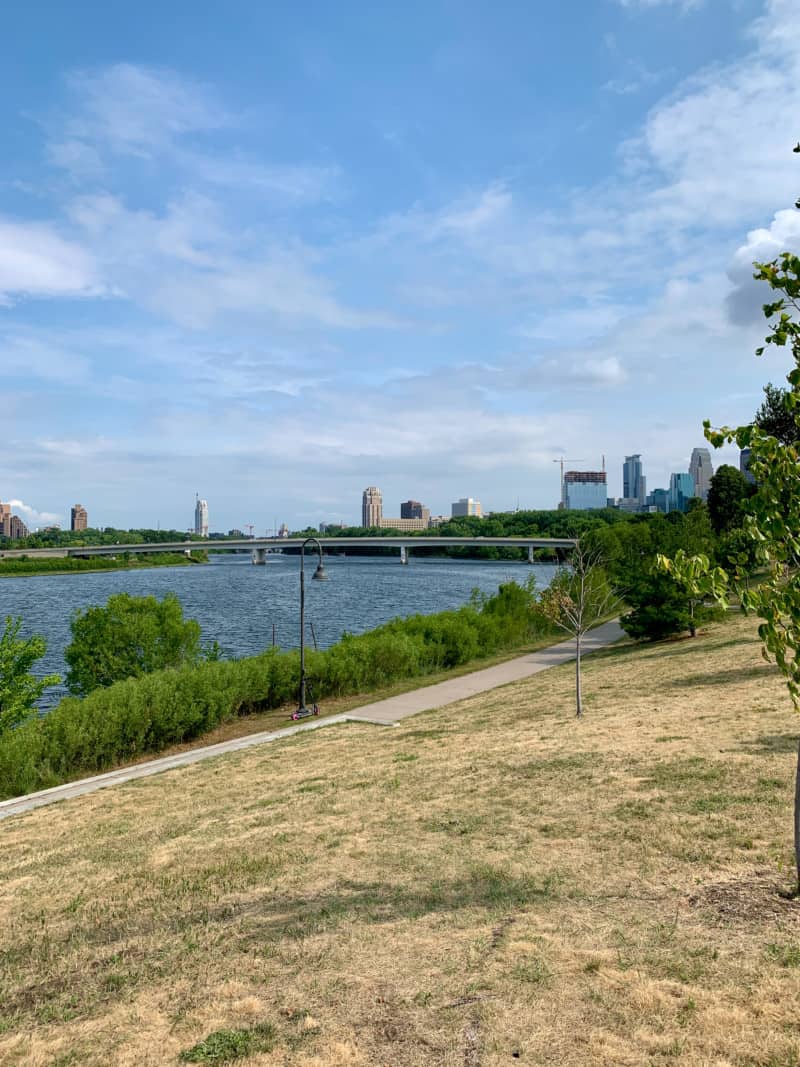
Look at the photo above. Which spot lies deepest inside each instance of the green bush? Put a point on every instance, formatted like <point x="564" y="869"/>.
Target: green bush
<point x="147" y="713"/>
<point x="129" y="637"/>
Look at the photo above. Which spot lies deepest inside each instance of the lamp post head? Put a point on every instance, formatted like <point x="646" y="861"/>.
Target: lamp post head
<point x="319" y="574"/>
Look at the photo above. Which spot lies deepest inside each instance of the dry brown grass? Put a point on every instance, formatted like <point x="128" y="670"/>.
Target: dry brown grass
<point x="486" y="884"/>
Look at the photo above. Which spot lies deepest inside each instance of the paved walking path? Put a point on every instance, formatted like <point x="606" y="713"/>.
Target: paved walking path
<point x="382" y="713"/>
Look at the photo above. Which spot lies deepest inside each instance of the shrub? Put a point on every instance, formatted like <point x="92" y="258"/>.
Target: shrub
<point x="129" y="637"/>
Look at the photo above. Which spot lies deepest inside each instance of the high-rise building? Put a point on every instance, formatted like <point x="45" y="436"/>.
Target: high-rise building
<point x="658" y="499"/>
<point x="371" y="507"/>
<point x="201" y="517"/>
<point x="79" y="518"/>
<point x="412" y="509"/>
<point x="634" y="483"/>
<point x="585" y="490"/>
<point x="5" y="518"/>
<point x="466" y="506"/>
<point x="681" y="491"/>
<point x="744" y="466"/>
<point x="16" y="528"/>
<point x="701" y="471"/>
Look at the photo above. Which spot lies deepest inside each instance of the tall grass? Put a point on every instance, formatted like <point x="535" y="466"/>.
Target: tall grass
<point x="145" y="715"/>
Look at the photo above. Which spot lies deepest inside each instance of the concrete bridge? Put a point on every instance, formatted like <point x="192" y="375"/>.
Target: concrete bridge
<point x="261" y="546"/>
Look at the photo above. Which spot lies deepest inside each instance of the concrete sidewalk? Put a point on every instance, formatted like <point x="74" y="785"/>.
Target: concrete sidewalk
<point x="382" y="713"/>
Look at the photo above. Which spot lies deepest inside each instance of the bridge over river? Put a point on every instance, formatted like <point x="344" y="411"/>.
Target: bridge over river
<point x="261" y="546"/>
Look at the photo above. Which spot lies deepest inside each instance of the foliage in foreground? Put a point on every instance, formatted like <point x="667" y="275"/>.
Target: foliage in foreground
<point x="128" y="637"/>
<point x="146" y="714"/>
<point x="19" y="689"/>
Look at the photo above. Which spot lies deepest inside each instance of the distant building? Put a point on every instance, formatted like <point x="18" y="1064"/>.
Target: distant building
<point x="235" y="533"/>
<point x="371" y="507"/>
<point x="634" y="483"/>
<point x="744" y="465"/>
<point x="201" y="517"/>
<point x="585" y="490"/>
<point x="404" y="525"/>
<point x="466" y="506"/>
<point x="284" y="530"/>
<point x="327" y="527"/>
<point x="658" y="500"/>
<point x="15" y="528"/>
<point x="701" y="471"/>
<point x="437" y="520"/>
<point x="629" y="504"/>
<point x="681" y="491"/>
<point x="5" y="517"/>
<point x="412" y="509"/>
<point x="78" y="518"/>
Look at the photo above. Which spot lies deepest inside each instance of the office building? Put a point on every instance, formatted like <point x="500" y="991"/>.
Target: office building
<point x="466" y="506"/>
<point x="744" y="466"/>
<point x="284" y="530"/>
<point x="585" y="490"/>
<point x="658" y="500"/>
<point x="13" y="527"/>
<point x="701" y="471"/>
<point x="681" y="491"/>
<point x="412" y="509"/>
<point x="634" y="484"/>
<point x="5" y="517"/>
<point x="78" y="518"/>
<point x="404" y="525"/>
<point x="201" y="517"/>
<point x="371" y="507"/>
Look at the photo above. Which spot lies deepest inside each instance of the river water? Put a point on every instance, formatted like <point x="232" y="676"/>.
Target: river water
<point x="237" y="604"/>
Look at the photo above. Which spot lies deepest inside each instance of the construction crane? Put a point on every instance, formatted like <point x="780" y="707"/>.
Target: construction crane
<point x="562" y="461"/>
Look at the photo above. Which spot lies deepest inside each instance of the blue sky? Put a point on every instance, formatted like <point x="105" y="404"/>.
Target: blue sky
<point x="273" y="253"/>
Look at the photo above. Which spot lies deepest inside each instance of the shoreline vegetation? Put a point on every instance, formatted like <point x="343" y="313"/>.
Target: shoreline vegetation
<point x="141" y="717"/>
<point x="29" y="568"/>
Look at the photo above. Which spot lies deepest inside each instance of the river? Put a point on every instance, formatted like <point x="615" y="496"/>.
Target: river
<point x="237" y="604"/>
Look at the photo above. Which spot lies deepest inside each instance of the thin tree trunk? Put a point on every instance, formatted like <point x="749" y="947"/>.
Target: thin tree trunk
<point x="797" y="819"/>
<point x="578" y="697"/>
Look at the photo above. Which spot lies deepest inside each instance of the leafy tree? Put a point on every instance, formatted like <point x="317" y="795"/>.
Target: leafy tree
<point x="726" y="496"/>
<point x="576" y="600"/>
<point x="129" y="637"/>
<point x="19" y="689"/>
<point x="773" y="511"/>
<point x="775" y="416"/>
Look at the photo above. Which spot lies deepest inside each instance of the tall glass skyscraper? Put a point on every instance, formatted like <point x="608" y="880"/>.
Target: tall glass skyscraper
<point x="634" y="485"/>
<point x="681" y="491"/>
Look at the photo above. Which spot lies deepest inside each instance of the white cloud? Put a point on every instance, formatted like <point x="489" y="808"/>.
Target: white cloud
<point x="32" y="516"/>
<point x="684" y="5"/>
<point x="35" y="260"/>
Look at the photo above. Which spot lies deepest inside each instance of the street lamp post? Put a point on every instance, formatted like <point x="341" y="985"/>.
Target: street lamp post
<point x="319" y="575"/>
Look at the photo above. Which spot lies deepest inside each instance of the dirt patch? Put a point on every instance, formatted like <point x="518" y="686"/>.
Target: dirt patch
<point x="759" y="896"/>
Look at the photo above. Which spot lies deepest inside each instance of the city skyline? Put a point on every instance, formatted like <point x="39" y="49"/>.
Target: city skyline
<point x="284" y="255"/>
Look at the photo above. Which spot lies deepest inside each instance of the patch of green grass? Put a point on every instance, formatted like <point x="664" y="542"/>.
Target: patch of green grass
<point x="533" y="970"/>
<point x="404" y="757"/>
<point x="785" y="955"/>
<point x="633" y="809"/>
<point x="226" y="1046"/>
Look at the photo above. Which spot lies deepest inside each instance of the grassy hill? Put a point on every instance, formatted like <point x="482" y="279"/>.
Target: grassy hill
<point x="486" y="884"/>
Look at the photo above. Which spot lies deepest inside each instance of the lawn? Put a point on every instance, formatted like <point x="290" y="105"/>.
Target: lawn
<point x="491" y="883"/>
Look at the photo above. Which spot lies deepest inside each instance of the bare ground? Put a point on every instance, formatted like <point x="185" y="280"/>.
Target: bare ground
<point x="487" y="884"/>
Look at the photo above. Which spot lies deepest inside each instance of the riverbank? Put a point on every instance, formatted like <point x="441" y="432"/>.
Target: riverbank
<point x="486" y="883"/>
<point x="26" y="568"/>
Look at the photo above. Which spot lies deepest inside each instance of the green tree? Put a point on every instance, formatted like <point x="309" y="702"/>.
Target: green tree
<point x="726" y="498"/>
<point x="128" y="637"/>
<point x="775" y="416"/>
<point x="19" y="689"/>
<point x="773" y="511"/>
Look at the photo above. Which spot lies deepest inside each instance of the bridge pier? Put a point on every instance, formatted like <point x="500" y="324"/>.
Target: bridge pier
<point x="259" y="556"/>
<point x="530" y="554"/>
<point x="188" y="553"/>
<point x="404" y="554"/>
